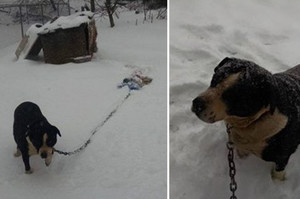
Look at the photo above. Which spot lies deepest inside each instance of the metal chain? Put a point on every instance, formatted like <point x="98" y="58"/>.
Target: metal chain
<point x="95" y="130"/>
<point x="231" y="164"/>
<point x="232" y="170"/>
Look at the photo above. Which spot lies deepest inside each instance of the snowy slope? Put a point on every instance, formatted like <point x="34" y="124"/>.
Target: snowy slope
<point x="127" y="157"/>
<point x="202" y="33"/>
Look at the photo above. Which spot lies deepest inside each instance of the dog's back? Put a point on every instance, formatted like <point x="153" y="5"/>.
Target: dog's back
<point x="295" y="71"/>
<point x="27" y="112"/>
<point x="25" y="115"/>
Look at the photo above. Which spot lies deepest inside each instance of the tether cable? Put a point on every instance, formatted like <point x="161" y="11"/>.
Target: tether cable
<point x="95" y="130"/>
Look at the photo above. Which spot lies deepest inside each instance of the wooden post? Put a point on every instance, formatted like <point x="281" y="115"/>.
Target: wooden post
<point x="42" y="13"/>
<point x="27" y="14"/>
<point x="69" y="8"/>
<point x="21" y="20"/>
<point x="58" y="9"/>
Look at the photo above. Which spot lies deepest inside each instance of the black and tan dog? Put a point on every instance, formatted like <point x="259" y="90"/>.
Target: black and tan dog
<point x="33" y="134"/>
<point x="262" y="110"/>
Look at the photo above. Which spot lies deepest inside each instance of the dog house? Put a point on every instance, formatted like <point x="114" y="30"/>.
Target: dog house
<point x="63" y="39"/>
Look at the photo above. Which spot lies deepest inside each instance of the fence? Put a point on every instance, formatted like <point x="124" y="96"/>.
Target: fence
<point x="40" y="12"/>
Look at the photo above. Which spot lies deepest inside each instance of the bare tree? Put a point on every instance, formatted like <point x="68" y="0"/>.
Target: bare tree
<point x="111" y="8"/>
<point x="53" y="4"/>
<point x="93" y="5"/>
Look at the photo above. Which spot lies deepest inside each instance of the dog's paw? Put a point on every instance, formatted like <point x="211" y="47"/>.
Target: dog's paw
<point x="17" y="153"/>
<point x="30" y="171"/>
<point x="278" y="175"/>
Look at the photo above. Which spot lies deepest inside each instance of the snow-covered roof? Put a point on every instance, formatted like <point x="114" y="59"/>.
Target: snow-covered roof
<point x="64" y="22"/>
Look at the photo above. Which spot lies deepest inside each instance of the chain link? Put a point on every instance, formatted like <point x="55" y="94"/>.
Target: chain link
<point x="232" y="170"/>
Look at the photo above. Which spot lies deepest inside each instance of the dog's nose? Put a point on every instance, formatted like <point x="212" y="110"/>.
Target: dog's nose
<point x="198" y="105"/>
<point x="44" y="155"/>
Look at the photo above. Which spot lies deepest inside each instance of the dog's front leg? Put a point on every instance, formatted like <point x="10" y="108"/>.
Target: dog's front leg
<point x="278" y="171"/>
<point x="25" y="158"/>
<point x="278" y="175"/>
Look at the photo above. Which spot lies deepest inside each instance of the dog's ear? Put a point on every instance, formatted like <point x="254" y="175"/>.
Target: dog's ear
<point x="224" y="61"/>
<point x="56" y="130"/>
<point x="267" y="85"/>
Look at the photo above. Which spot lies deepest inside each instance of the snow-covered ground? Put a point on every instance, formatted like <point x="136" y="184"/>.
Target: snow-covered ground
<point x="128" y="156"/>
<point x="202" y="33"/>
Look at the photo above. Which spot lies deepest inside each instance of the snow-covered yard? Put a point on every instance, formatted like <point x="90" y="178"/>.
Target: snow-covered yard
<point x="128" y="156"/>
<point x="202" y="33"/>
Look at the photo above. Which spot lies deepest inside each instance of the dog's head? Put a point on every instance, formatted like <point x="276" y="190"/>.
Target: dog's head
<point x="43" y="137"/>
<point x="239" y="89"/>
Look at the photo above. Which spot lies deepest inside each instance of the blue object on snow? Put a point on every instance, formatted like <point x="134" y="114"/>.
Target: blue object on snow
<point x="132" y="85"/>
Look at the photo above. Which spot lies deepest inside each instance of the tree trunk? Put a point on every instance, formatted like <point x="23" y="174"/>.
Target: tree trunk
<point x="111" y="20"/>
<point x="93" y="5"/>
<point x="145" y="11"/>
<point x="110" y="13"/>
<point x="53" y="4"/>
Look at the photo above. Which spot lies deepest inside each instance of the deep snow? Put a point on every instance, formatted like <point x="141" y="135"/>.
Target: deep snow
<point x="128" y="156"/>
<point x="202" y="33"/>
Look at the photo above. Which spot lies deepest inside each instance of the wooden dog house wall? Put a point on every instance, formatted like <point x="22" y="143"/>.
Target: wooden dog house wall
<point x="63" y="45"/>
